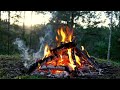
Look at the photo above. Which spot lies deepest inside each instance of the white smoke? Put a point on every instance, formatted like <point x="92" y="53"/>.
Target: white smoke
<point x="47" y="39"/>
<point x="24" y="51"/>
<point x="39" y="53"/>
<point x="28" y="58"/>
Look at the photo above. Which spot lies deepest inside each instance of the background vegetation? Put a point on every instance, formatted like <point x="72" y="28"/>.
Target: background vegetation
<point x="100" y="41"/>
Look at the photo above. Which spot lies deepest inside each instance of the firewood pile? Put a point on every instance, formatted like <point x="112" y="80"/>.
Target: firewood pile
<point x="66" y="60"/>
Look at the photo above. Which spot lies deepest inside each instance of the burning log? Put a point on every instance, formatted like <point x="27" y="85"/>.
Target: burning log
<point x="35" y="65"/>
<point x="54" y="51"/>
<point x="63" y="46"/>
<point x="81" y="53"/>
<point x="63" y="68"/>
<point x="66" y="57"/>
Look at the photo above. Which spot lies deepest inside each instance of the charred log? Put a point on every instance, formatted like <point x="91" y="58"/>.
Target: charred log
<point x="55" y="53"/>
<point x="32" y="67"/>
<point x="81" y="53"/>
<point x="63" y="68"/>
<point x="35" y="65"/>
<point x="63" y="46"/>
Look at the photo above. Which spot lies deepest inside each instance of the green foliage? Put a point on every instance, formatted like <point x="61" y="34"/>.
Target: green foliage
<point x="100" y="49"/>
<point x="115" y="44"/>
<point x="4" y="40"/>
<point x="115" y="63"/>
<point x="93" y="38"/>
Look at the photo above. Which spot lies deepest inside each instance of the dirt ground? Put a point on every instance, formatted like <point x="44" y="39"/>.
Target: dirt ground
<point x="9" y="69"/>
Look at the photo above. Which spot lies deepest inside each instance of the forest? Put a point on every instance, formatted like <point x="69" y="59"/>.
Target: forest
<point x="97" y="31"/>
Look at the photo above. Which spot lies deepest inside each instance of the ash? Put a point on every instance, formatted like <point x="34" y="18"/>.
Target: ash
<point x="63" y="74"/>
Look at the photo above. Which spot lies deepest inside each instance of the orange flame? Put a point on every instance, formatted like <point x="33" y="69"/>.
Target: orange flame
<point x="83" y="49"/>
<point x="66" y="36"/>
<point x="63" y="35"/>
<point x="71" y="60"/>
<point x="56" y="38"/>
<point x="56" y="71"/>
<point x="77" y="60"/>
<point x="65" y="55"/>
<point x="69" y="33"/>
<point x="47" y="51"/>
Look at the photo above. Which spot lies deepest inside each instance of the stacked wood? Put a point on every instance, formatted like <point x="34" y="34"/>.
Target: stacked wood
<point x="63" y="48"/>
<point x="54" y="55"/>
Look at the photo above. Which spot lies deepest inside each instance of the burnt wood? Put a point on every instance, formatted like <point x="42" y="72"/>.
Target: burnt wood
<point x="54" y="52"/>
<point x="35" y="65"/>
<point x="63" y="46"/>
<point x="81" y="53"/>
<point x="64" y="68"/>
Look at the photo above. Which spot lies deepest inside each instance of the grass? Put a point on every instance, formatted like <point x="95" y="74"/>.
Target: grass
<point x="7" y="61"/>
<point x="10" y="57"/>
<point x="8" y="64"/>
<point x="114" y="63"/>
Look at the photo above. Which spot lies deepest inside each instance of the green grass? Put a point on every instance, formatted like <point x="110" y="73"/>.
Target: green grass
<point x="114" y="63"/>
<point x="10" y="57"/>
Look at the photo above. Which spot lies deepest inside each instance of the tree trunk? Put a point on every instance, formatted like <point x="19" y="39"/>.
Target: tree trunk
<point x="72" y="19"/>
<point x="119" y="20"/>
<point x="0" y="27"/>
<point x="23" y="31"/>
<point x="0" y="20"/>
<point x="8" y="32"/>
<point x="30" y="39"/>
<point x="109" y="43"/>
<point x="0" y="16"/>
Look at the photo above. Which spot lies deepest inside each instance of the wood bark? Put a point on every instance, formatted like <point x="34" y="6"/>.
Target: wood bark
<point x="109" y="42"/>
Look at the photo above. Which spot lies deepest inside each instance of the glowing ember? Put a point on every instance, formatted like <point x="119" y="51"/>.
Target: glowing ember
<point x="56" y="71"/>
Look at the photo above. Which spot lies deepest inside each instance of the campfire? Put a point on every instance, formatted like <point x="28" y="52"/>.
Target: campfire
<point x="66" y="59"/>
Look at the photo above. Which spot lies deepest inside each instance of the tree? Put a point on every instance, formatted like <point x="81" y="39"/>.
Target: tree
<point x="8" y="32"/>
<point x="0" y="19"/>
<point x="109" y="43"/>
<point x="71" y="17"/>
<point x="117" y="14"/>
<point x="64" y="17"/>
<point x="23" y="30"/>
<point x="119" y="19"/>
<point x="30" y="37"/>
